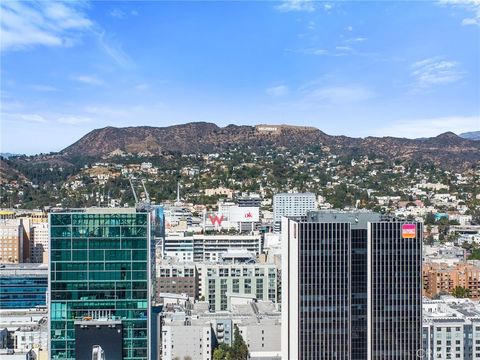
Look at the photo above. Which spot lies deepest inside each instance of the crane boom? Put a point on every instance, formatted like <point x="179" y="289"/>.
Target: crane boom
<point x="133" y="191"/>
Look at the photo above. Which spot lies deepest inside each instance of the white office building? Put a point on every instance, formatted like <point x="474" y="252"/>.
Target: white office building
<point x="292" y="204"/>
<point x="200" y="248"/>
<point x="451" y="329"/>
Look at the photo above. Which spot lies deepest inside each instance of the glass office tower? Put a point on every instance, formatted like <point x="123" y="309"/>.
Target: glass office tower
<point x="100" y="284"/>
<point x="351" y="283"/>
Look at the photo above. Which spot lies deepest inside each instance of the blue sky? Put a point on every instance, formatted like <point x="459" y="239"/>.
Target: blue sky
<point x="408" y="69"/>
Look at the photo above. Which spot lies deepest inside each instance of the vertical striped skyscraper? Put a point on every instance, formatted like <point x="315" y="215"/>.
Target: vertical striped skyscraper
<point x="351" y="287"/>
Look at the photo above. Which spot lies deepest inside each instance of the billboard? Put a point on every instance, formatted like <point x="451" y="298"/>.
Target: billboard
<point x="95" y="340"/>
<point x="409" y="231"/>
<point x="216" y="219"/>
<point x="244" y="214"/>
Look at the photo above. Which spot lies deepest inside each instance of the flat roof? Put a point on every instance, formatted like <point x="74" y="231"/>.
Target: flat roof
<point x="23" y="270"/>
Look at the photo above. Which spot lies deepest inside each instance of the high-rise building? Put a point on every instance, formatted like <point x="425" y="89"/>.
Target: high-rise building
<point x="14" y="241"/>
<point x="100" y="283"/>
<point x="352" y="287"/>
<point x="39" y="235"/>
<point x="291" y="204"/>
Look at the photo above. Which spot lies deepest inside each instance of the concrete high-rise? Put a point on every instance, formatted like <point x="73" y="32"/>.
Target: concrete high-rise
<point x="14" y="241"/>
<point x="352" y="287"/>
<point x="101" y="283"/>
<point x="291" y="204"/>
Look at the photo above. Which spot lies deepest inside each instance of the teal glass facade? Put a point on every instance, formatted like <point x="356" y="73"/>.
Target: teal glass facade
<point x="99" y="270"/>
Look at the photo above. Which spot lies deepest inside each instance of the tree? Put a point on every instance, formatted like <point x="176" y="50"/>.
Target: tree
<point x="461" y="292"/>
<point x="220" y="353"/>
<point x="430" y="219"/>
<point x="238" y="351"/>
<point x="239" y="348"/>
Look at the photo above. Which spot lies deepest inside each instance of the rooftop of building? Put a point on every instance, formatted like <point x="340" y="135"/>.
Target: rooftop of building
<point x="254" y="312"/>
<point x="449" y="309"/>
<point x="23" y="269"/>
<point x="95" y="210"/>
<point x="295" y="194"/>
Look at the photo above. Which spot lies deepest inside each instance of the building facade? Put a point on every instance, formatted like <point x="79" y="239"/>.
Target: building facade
<point x="220" y="282"/>
<point x="39" y="235"/>
<point x="198" y="248"/>
<point x="346" y="278"/>
<point x="451" y="329"/>
<point x="291" y="204"/>
<point x="194" y="334"/>
<point x="394" y="290"/>
<point x="14" y="241"/>
<point x="23" y="286"/>
<point x="441" y="278"/>
<point x="100" y="273"/>
<point x="178" y="279"/>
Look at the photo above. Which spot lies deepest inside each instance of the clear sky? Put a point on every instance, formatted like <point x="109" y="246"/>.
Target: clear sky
<point x="408" y="69"/>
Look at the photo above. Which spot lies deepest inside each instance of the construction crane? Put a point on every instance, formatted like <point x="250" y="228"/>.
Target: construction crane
<point x="133" y="190"/>
<point x="147" y="196"/>
<point x="139" y="204"/>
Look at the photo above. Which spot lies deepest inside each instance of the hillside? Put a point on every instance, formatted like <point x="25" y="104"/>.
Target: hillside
<point x="447" y="150"/>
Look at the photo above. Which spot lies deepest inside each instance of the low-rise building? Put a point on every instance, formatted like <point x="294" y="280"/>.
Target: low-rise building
<point x="451" y="329"/>
<point x="177" y="279"/>
<point x="219" y="283"/>
<point x="193" y="332"/>
<point x="440" y="278"/>
<point x="24" y="332"/>
<point x="23" y="286"/>
<point x="202" y="247"/>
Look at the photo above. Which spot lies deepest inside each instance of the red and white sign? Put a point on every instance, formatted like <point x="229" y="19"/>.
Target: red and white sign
<point x="244" y="214"/>
<point x="216" y="219"/>
<point x="409" y="231"/>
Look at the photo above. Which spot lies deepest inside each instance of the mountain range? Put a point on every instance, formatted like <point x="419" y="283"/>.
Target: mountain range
<point x="472" y="135"/>
<point x="447" y="150"/>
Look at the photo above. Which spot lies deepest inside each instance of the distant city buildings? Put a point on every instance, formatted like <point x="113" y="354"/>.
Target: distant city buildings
<point x="23" y="237"/>
<point x="39" y="243"/>
<point x="177" y="278"/>
<point x="349" y="279"/>
<point x="351" y="285"/>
